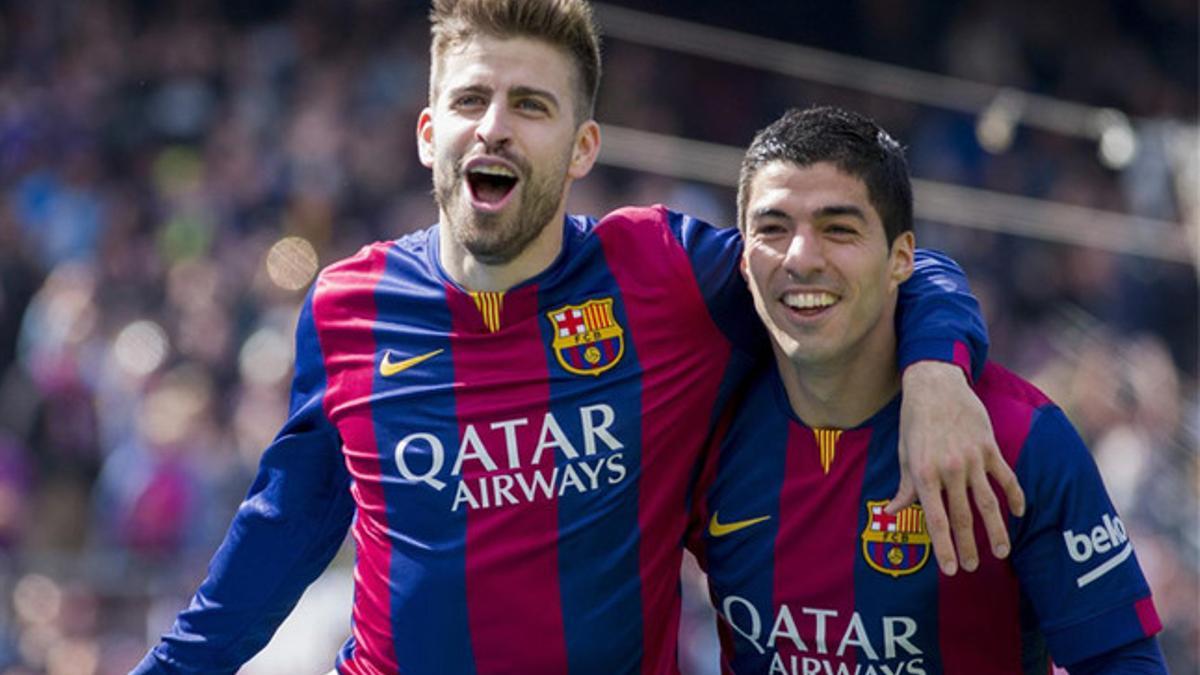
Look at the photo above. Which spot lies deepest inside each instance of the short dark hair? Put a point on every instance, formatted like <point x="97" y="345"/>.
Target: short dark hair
<point x="565" y="24"/>
<point x="851" y="142"/>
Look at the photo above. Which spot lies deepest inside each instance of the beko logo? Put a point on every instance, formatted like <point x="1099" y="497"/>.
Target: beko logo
<point x="1104" y="538"/>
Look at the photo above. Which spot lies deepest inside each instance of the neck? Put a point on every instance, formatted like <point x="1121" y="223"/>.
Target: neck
<point x="845" y="392"/>
<point x="476" y="275"/>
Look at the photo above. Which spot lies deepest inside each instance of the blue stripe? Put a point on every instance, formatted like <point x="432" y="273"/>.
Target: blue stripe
<point x="598" y="568"/>
<point x="427" y="590"/>
<point x="756" y="446"/>
<point x="878" y="595"/>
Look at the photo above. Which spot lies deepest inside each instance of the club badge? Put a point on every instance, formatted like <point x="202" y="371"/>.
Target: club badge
<point x="895" y="545"/>
<point x="587" y="338"/>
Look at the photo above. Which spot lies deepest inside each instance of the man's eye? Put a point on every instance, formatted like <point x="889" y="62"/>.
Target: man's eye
<point x="839" y="229"/>
<point x="769" y="229"/>
<point x="531" y="105"/>
<point x="469" y="101"/>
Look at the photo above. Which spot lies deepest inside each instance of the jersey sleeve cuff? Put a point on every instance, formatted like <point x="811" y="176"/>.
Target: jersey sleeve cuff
<point x="1104" y="632"/>
<point x="947" y="351"/>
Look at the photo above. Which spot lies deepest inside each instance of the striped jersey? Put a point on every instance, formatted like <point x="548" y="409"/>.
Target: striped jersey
<point x="810" y="575"/>
<point x="515" y="468"/>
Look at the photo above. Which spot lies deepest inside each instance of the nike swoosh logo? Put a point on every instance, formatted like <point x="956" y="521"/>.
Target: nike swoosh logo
<point x="719" y="529"/>
<point x="388" y="368"/>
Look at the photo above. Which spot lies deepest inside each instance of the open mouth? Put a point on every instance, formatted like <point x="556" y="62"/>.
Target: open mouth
<point x="491" y="185"/>
<point x="808" y="304"/>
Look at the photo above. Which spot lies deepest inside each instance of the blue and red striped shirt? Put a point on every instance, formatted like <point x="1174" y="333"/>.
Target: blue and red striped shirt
<point x="810" y="575"/>
<point x="515" y="467"/>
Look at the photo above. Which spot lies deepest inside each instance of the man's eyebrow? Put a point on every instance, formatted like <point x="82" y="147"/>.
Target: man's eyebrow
<point x="769" y="212"/>
<point x="471" y="89"/>
<point x="840" y="210"/>
<point x="521" y="90"/>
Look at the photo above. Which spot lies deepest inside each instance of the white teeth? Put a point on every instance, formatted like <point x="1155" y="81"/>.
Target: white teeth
<point x="494" y="170"/>
<point x="808" y="300"/>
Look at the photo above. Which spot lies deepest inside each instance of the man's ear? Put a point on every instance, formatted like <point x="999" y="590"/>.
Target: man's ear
<point x="425" y="137"/>
<point x="904" y="250"/>
<point x="586" y="150"/>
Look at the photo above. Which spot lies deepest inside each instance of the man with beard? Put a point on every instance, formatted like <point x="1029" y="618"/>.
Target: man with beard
<point x="509" y="405"/>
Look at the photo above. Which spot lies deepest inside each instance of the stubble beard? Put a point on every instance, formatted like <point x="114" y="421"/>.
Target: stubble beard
<point x="498" y="238"/>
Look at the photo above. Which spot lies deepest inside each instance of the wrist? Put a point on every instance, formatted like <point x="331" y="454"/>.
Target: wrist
<point x="930" y="370"/>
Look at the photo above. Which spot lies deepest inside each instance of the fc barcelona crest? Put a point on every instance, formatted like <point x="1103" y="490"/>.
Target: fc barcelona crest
<point x="895" y="545"/>
<point x="587" y="338"/>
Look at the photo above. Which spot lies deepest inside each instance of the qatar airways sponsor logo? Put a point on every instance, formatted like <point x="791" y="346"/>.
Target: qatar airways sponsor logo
<point x="830" y="647"/>
<point x="513" y="474"/>
<point x="1108" y="539"/>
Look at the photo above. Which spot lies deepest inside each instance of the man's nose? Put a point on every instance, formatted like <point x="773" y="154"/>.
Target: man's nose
<point x="803" y="255"/>
<point x="493" y="129"/>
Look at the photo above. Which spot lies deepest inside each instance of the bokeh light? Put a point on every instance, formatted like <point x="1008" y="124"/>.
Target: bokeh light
<point x="141" y="348"/>
<point x="1118" y="142"/>
<point x="72" y="657"/>
<point x="37" y="599"/>
<point x="292" y="263"/>
<point x="266" y="357"/>
<point x="170" y="409"/>
<point x="997" y="124"/>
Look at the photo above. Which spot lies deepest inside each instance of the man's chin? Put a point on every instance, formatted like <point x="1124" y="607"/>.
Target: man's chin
<point x="492" y="257"/>
<point x="491" y="250"/>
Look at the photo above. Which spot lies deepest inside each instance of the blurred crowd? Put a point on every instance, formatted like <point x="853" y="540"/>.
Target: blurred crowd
<point x="173" y="174"/>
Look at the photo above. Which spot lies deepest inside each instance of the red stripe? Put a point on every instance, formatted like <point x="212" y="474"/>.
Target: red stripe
<point x="815" y="513"/>
<point x="962" y="358"/>
<point x="344" y="312"/>
<point x="994" y="584"/>
<point x="961" y="622"/>
<point x="605" y="317"/>
<point x="682" y="354"/>
<point x="512" y="551"/>
<point x="1148" y="616"/>
<point x="1011" y="404"/>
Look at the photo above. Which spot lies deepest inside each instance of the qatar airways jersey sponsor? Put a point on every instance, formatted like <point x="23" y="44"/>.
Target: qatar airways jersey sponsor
<point x="811" y="640"/>
<point x="811" y="575"/>
<point x="507" y="474"/>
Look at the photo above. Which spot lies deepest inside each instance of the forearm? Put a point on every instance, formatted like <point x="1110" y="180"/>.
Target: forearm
<point x="284" y="534"/>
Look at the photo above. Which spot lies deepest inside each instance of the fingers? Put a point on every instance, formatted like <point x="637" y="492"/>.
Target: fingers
<point x="940" y="532"/>
<point x="962" y="523"/>
<point x="994" y="521"/>
<point x="906" y="495"/>
<point x="1002" y="473"/>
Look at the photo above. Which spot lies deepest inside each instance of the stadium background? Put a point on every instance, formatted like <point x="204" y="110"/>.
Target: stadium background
<point x="173" y="173"/>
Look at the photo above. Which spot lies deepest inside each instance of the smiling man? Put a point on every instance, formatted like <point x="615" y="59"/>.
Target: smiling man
<point x="809" y="572"/>
<point x="508" y="406"/>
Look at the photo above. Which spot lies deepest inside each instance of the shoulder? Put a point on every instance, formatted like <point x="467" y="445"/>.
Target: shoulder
<point x="348" y="287"/>
<point x="645" y="223"/>
<point x="1000" y="387"/>
<point x="657" y="222"/>
<point x="410" y="251"/>
<point x="1014" y="406"/>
